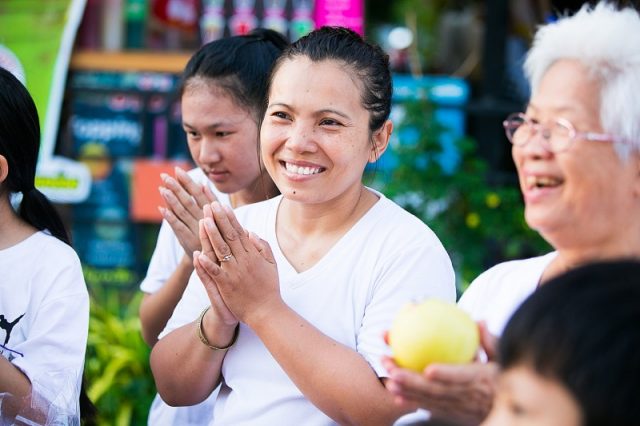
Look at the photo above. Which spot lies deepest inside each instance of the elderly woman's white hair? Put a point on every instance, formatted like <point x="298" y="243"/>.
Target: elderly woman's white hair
<point x="607" y="41"/>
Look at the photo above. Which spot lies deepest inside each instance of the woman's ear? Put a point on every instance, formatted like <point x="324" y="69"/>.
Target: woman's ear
<point x="380" y="141"/>
<point x="4" y="168"/>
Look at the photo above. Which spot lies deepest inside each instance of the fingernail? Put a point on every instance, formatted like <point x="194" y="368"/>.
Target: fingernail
<point x="179" y="171"/>
<point x="164" y="177"/>
<point x="208" y="223"/>
<point x="215" y="206"/>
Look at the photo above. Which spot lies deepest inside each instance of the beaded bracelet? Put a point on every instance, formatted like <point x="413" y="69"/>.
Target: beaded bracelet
<point x="203" y="338"/>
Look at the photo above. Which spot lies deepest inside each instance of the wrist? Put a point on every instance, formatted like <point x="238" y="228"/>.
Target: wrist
<point x="224" y="337"/>
<point x="186" y="263"/>
<point x="266" y="312"/>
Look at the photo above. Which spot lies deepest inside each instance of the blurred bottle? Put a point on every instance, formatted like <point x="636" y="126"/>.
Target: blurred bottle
<point x="302" y="22"/>
<point x="243" y="18"/>
<point x="112" y="24"/>
<point x="136" y="12"/>
<point x="212" y="22"/>
<point x="89" y="33"/>
<point x="175" y="24"/>
<point x="274" y="16"/>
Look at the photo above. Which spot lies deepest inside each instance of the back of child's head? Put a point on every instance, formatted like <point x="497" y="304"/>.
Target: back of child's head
<point x="19" y="133"/>
<point x="20" y="145"/>
<point x="582" y="329"/>
<point x="240" y="65"/>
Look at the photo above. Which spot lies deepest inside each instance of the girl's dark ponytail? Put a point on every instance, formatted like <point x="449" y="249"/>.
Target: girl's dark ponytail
<point x="271" y="36"/>
<point x="20" y="145"/>
<point x="37" y="210"/>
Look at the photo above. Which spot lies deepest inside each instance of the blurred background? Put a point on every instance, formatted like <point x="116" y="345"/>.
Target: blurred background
<point x="104" y="75"/>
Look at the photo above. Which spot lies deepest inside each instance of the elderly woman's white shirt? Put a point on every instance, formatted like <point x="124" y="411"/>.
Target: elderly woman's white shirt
<point x="496" y="294"/>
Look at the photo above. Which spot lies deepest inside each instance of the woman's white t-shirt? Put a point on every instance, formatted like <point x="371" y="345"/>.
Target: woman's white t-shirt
<point x="387" y="259"/>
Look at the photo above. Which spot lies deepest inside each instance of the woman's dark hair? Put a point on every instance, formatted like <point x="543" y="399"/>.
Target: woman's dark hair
<point x="240" y="65"/>
<point x="367" y="61"/>
<point x="583" y="330"/>
<point x="20" y="144"/>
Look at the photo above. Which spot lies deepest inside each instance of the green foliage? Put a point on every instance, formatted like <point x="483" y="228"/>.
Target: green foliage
<point x="479" y="224"/>
<point x="117" y="367"/>
<point x="422" y="17"/>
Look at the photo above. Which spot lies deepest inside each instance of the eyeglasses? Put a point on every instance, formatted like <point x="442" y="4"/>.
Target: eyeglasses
<point x="557" y="137"/>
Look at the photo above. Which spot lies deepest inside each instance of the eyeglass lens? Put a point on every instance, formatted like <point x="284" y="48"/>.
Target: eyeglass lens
<point x="520" y="131"/>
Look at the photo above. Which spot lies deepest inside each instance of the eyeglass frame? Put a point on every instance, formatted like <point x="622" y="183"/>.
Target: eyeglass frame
<point x="541" y="128"/>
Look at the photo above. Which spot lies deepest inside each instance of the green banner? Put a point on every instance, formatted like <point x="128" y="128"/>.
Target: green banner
<point x="36" y="40"/>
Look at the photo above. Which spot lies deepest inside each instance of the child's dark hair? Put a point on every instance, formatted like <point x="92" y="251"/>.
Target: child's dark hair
<point x="240" y="65"/>
<point x="20" y="145"/>
<point x="367" y="61"/>
<point x="583" y="330"/>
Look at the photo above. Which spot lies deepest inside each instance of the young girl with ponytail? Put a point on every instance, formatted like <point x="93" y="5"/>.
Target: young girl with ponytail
<point x="44" y="303"/>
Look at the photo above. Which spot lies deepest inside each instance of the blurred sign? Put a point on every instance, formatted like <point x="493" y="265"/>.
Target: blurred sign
<point x="36" y="39"/>
<point x="63" y="180"/>
<point x="145" y="197"/>
<point x="340" y="13"/>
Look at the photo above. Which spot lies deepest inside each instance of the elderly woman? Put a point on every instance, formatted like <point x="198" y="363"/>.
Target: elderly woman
<point x="576" y="151"/>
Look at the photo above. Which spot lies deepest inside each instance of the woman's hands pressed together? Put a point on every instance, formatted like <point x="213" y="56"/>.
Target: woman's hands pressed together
<point x="237" y="269"/>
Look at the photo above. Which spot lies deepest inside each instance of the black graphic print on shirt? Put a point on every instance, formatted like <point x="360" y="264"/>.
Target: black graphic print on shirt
<point x="7" y="326"/>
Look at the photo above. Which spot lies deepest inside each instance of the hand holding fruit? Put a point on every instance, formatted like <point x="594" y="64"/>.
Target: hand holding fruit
<point x="432" y="331"/>
<point x="433" y="343"/>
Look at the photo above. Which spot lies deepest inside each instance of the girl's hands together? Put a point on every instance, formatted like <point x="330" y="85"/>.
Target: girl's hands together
<point x="184" y="200"/>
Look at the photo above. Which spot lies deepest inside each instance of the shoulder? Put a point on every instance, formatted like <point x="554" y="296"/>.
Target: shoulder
<point x="530" y="268"/>
<point x="57" y="251"/>
<point x="400" y="246"/>
<point x="396" y="225"/>
<point x="516" y="277"/>
<point x="58" y="265"/>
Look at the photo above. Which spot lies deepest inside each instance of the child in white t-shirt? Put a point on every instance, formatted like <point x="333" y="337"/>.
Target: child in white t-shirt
<point x="44" y="303"/>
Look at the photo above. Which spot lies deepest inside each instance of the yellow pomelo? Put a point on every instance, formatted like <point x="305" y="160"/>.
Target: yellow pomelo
<point x="432" y="331"/>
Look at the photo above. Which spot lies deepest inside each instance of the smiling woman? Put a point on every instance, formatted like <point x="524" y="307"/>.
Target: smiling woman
<point x="315" y="147"/>
<point x="292" y="324"/>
